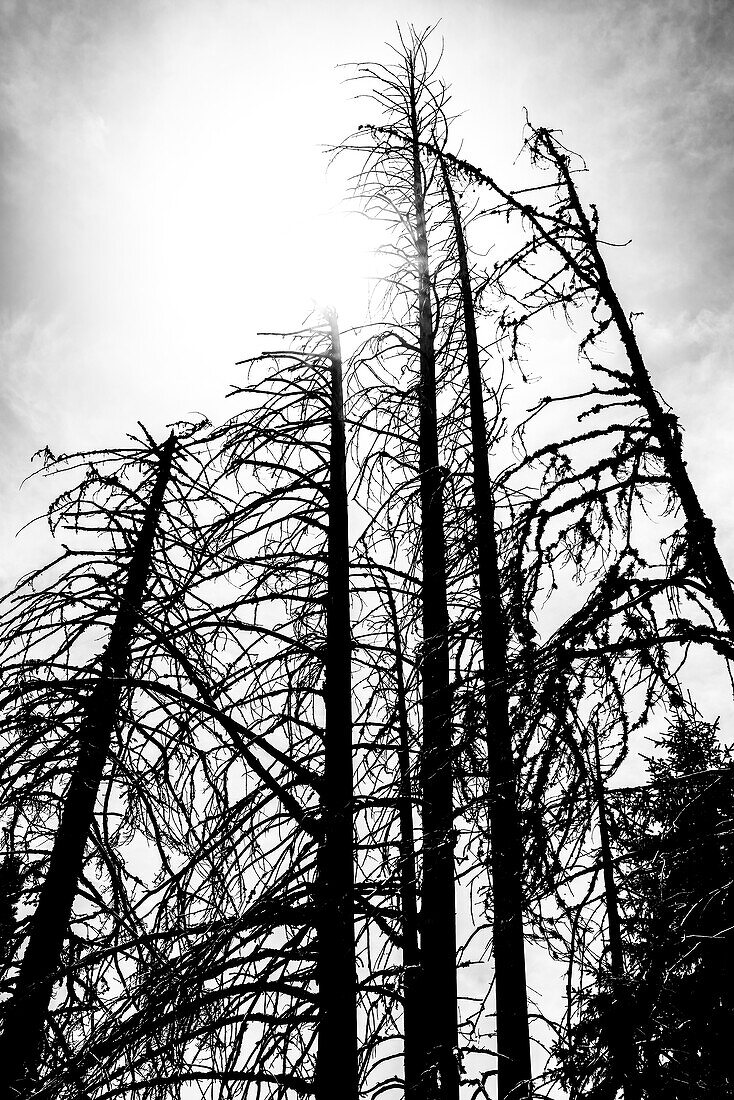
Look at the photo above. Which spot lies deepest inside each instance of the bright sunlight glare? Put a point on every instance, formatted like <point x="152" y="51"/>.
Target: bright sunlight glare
<point x="184" y="219"/>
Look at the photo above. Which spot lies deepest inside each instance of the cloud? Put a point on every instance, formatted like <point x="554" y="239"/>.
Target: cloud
<point x="644" y="89"/>
<point x="691" y="360"/>
<point x="30" y="350"/>
<point x="30" y="353"/>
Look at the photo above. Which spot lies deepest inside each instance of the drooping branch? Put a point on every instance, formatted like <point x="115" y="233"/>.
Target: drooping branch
<point x="25" y="1016"/>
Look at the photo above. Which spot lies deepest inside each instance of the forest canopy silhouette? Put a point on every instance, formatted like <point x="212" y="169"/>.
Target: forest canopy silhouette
<point x="318" y="721"/>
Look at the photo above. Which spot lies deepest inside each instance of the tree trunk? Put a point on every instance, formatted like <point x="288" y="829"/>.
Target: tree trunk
<point x="438" y="914"/>
<point x="25" y="1015"/>
<point x="513" y="1035"/>
<point x="336" y="1060"/>
<point x="621" y="1035"/>
<point x="701" y="531"/>
<point x="414" y="1004"/>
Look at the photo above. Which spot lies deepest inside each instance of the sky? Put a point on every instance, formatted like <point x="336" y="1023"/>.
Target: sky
<point x="164" y="196"/>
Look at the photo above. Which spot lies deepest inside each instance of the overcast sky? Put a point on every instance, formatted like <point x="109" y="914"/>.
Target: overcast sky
<point x="164" y="194"/>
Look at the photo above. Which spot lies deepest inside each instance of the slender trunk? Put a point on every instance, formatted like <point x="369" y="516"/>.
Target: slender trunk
<point x="413" y="1000"/>
<point x="701" y="531"/>
<point x="336" y="1060"/>
<point x="664" y="425"/>
<point x="513" y="1033"/>
<point x="438" y="914"/>
<point x="25" y="1016"/>
<point x="621" y="1035"/>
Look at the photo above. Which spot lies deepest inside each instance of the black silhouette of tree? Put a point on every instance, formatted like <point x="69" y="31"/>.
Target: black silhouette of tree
<point x="395" y="184"/>
<point x="672" y="864"/>
<point x="72" y="732"/>
<point x="259" y="778"/>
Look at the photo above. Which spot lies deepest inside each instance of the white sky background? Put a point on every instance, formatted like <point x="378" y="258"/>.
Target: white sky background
<point x="164" y="197"/>
<point x="164" y="194"/>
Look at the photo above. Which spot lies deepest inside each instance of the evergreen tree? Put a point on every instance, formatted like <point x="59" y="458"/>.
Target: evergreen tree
<point x="681" y="918"/>
<point x="674" y="876"/>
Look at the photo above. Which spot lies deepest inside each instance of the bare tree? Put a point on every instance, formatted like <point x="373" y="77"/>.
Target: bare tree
<point x="397" y="182"/>
<point x="25" y="1016"/>
<point x="236" y="841"/>
<point x="336" y="1067"/>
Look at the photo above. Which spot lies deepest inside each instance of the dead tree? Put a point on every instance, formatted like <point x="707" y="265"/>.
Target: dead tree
<point x="269" y="995"/>
<point x="513" y="1036"/>
<point x="566" y="235"/>
<point x="581" y="250"/>
<point x="336" y="1065"/>
<point x="287" y="544"/>
<point x="25" y="1016"/>
<point x="412" y="971"/>
<point x="505" y="849"/>
<point x="438" y="921"/>
<point x="136" y="968"/>
<point x="392" y="679"/>
<point x="399" y="182"/>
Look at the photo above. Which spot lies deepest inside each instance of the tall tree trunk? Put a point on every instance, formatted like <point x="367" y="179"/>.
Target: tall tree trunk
<point x="438" y="913"/>
<point x="513" y="1034"/>
<point x="25" y="1015"/>
<point x="336" y="1060"/>
<point x="701" y="531"/>
<point x="621" y="1035"/>
<point x="414" y="1005"/>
